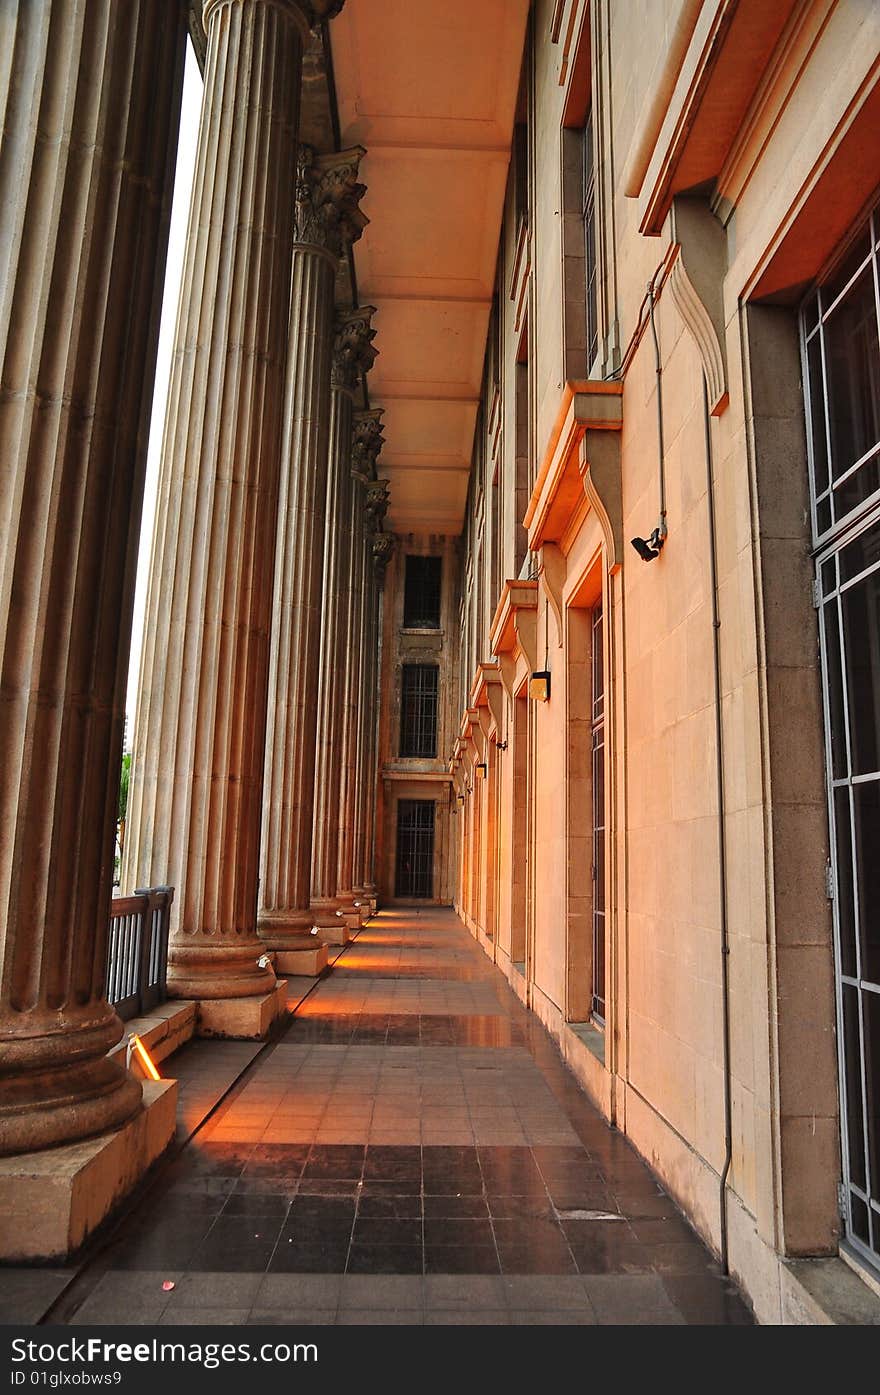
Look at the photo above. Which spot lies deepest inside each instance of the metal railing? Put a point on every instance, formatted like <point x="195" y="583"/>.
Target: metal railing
<point x="137" y="950"/>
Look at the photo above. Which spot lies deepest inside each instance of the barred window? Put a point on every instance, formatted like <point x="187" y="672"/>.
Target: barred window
<point x="421" y="593"/>
<point x="418" y="711"/>
<point x="590" y="265"/>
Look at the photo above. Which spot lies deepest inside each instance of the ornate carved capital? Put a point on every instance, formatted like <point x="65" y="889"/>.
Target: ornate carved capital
<point x="383" y="546"/>
<point x="304" y="12"/>
<point x="366" y="443"/>
<point x="353" y="352"/>
<point x="326" y="212"/>
<point x="376" y="505"/>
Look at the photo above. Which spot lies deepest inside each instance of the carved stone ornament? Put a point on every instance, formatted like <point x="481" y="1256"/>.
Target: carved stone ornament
<point x="376" y="504"/>
<point x="326" y="212"/>
<point x="383" y="546"/>
<point x="353" y="352"/>
<point x="366" y="443"/>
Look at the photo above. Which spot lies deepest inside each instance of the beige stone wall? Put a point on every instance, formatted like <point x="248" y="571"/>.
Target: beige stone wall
<point x="662" y="1076"/>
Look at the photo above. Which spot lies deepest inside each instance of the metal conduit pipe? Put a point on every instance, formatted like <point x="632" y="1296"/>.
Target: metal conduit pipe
<point x="651" y="547"/>
<point x="722" y="854"/>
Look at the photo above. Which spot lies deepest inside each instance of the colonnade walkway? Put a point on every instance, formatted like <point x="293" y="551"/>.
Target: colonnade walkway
<point x="411" y="1149"/>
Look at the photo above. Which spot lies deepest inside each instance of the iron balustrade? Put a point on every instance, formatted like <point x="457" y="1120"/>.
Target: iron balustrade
<point x="137" y="950"/>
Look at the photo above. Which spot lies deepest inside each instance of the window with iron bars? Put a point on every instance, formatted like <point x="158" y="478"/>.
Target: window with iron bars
<point x="590" y="265"/>
<point x="421" y="593"/>
<point x="418" y="711"/>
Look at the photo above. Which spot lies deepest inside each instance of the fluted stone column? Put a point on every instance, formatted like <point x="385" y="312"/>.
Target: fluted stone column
<point x="381" y="549"/>
<point x="314" y="409"/>
<point x="91" y="104"/>
<point x="197" y="771"/>
<point x="331" y="814"/>
<point x="375" y="508"/>
<point x="366" y="444"/>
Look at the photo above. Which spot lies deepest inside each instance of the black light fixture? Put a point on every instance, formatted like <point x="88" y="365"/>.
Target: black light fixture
<point x="649" y="548"/>
<point x="539" y="686"/>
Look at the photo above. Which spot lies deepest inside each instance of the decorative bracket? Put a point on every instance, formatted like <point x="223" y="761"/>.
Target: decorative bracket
<point x="696" y="284"/>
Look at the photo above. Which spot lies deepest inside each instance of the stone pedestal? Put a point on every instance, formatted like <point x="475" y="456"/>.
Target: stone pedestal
<point x="197" y="770"/>
<point x="90" y="98"/>
<point x="307" y="960"/>
<point x="242" y="1018"/>
<point x="52" y="1200"/>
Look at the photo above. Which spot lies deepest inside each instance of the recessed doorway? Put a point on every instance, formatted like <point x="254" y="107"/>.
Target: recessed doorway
<point x="415" y="848"/>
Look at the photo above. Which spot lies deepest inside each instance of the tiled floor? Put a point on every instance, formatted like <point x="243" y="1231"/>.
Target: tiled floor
<point x="418" y="1156"/>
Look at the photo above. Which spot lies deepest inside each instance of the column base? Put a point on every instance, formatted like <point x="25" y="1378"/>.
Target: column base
<point x="52" y="1201"/>
<point x="340" y="932"/>
<point x="243" y="1019"/>
<point x="334" y="922"/>
<point x="307" y="961"/>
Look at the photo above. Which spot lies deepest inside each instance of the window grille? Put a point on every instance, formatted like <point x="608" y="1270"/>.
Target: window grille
<point x="598" y="811"/>
<point x="421" y="595"/>
<point x="590" y="265"/>
<point x="418" y="711"/>
<point x="415" y="848"/>
<point x="840" y="342"/>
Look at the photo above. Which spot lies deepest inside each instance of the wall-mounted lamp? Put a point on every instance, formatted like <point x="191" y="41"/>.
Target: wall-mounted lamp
<point x="314" y="930"/>
<point x="500" y="745"/>
<point x="460" y="798"/>
<point x="264" y="962"/>
<point x="539" y="686"/>
<point x="480" y="770"/>
<point x="134" y="1046"/>
<point x="649" y="548"/>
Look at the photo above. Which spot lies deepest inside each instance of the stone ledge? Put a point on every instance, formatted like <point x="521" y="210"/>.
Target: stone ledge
<point x="51" y="1201"/>
<point x="163" y="1031"/>
<point x="242" y="1019"/>
<point x="826" y="1293"/>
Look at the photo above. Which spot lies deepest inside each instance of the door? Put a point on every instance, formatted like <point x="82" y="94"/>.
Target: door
<point x="415" y="848"/>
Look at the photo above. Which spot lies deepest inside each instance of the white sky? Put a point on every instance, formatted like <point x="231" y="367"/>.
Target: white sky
<point x="186" y="161"/>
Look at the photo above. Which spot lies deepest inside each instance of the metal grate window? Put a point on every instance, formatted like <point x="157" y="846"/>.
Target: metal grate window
<point x="418" y="711"/>
<point x="598" y="786"/>
<point x="421" y="594"/>
<point x="840" y="332"/>
<point x="589" y="214"/>
<point x="415" y="848"/>
<point x="841" y="350"/>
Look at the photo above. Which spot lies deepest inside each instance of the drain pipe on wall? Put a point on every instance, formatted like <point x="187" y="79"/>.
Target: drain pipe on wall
<point x="650" y="548"/>
<point x="722" y="855"/>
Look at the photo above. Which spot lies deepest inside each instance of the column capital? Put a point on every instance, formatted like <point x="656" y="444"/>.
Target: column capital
<point x="353" y="352"/>
<point x="366" y="443"/>
<point x="326" y="212"/>
<point x="383" y="546"/>
<point x="376" y="504"/>
<point x="303" y="12"/>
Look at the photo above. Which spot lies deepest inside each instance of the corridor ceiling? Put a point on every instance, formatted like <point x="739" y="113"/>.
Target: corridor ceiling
<point x="429" y="88"/>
